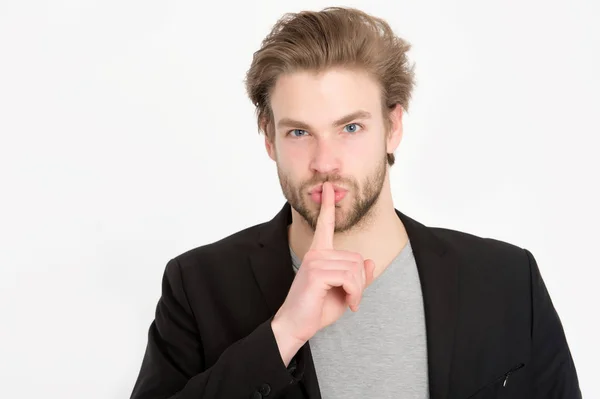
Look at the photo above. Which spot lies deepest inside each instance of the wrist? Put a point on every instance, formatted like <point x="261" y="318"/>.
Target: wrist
<point x="288" y="344"/>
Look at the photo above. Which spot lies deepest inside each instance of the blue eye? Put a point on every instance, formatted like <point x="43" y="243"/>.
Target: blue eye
<point x="293" y="132"/>
<point x="353" y="130"/>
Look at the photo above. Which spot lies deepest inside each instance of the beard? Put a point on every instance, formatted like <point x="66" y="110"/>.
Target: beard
<point x="363" y="196"/>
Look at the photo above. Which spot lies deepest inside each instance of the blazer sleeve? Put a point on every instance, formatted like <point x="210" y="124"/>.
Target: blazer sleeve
<point x="173" y="366"/>
<point x="552" y="367"/>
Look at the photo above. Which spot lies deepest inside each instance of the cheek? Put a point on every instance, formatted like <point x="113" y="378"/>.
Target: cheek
<point x="290" y="152"/>
<point x="364" y="149"/>
<point x="292" y="160"/>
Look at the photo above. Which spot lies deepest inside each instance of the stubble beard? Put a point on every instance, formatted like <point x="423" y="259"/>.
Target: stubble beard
<point x="363" y="197"/>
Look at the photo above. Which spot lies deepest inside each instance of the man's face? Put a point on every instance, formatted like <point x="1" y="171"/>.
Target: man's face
<point x="330" y="127"/>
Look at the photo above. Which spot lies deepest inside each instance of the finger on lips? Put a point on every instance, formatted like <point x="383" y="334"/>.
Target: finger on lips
<point x="323" y="238"/>
<point x="344" y="269"/>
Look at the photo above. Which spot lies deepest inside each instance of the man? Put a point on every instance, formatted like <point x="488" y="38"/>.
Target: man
<point x="340" y="295"/>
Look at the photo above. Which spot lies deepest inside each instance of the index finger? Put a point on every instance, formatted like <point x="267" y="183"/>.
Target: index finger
<point x="323" y="238"/>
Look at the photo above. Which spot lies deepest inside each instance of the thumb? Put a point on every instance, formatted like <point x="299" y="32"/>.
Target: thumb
<point x="369" y="271"/>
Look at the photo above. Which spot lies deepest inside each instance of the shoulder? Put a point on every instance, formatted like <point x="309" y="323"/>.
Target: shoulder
<point x="478" y="253"/>
<point x="494" y="276"/>
<point x="229" y="250"/>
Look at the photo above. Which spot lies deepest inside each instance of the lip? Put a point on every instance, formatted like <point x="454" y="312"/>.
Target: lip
<point x="319" y="189"/>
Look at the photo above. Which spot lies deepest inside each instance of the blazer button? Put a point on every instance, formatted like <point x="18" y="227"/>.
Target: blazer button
<point x="256" y="395"/>
<point x="265" y="389"/>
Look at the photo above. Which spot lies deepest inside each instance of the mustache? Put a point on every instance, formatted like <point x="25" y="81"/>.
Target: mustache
<point x="329" y="178"/>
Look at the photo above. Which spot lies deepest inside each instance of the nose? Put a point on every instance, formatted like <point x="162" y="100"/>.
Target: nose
<point x="325" y="159"/>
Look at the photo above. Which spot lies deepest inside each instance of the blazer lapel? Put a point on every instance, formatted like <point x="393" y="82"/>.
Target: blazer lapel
<point x="272" y="262"/>
<point x="438" y="271"/>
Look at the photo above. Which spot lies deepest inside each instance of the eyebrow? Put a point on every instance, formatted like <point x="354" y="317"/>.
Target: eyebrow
<point x="342" y="121"/>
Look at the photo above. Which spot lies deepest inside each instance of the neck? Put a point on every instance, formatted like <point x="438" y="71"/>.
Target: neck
<point x="380" y="238"/>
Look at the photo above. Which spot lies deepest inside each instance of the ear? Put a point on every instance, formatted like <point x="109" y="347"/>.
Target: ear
<point x="270" y="146"/>
<point x="395" y="134"/>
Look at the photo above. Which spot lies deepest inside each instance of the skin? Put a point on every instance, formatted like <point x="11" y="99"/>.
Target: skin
<point x="343" y="245"/>
<point x="348" y="155"/>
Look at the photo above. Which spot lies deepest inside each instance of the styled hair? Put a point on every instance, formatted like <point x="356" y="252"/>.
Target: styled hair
<point x="333" y="37"/>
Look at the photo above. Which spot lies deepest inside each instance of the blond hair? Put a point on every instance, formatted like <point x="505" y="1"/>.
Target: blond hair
<point x="334" y="37"/>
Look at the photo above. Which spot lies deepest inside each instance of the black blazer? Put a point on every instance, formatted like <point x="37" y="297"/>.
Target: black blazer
<point x="492" y="331"/>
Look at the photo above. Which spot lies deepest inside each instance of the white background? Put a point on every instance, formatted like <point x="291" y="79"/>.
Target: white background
<point x="127" y="139"/>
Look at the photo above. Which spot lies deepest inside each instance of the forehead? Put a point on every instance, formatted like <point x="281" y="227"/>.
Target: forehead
<point x="323" y="97"/>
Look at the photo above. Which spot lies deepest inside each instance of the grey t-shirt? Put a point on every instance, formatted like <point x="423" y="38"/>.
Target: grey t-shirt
<point x="381" y="350"/>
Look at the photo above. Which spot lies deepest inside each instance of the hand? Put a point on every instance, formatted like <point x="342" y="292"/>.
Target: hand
<point x="327" y="283"/>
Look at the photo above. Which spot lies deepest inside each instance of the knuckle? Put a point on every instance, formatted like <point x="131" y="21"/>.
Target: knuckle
<point x="355" y="268"/>
<point x="349" y="277"/>
<point x="312" y="275"/>
<point x="310" y="256"/>
<point x="356" y="257"/>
